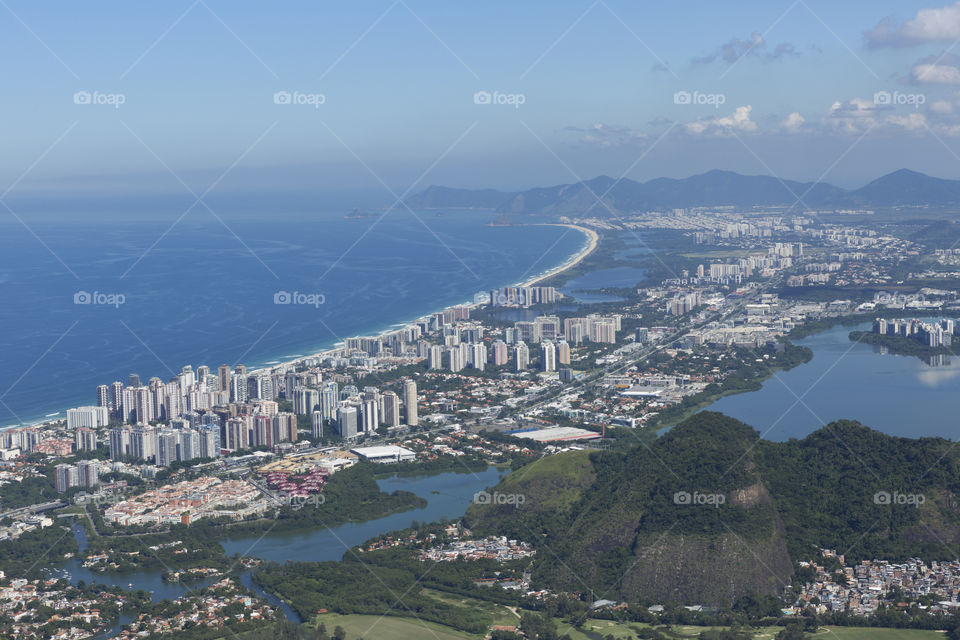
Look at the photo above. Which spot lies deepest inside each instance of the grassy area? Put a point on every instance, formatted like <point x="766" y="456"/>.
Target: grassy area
<point x="573" y="466"/>
<point x="389" y="628"/>
<point x="394" y="628"/>
<point x="628" y="630"/>
<point x="860" y="633"/>
<point x="498" y="613"/>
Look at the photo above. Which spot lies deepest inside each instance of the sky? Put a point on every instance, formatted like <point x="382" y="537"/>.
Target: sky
<point x="189" y="98"/>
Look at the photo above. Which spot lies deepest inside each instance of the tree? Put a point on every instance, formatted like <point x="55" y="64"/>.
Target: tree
<point x="791" y="632"/>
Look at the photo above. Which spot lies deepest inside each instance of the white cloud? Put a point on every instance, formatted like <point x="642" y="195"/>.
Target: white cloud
<point x="912" y="122"/>
<point x="793" y="123"/>
<point x="735" y="49"/>
<point x="929" y="25"/>
<point x="609" y="135"/>
<point x="739" y="121"/>
<point x="935" y="74"/>
<point x="858" y="116"/>
<point x="942" y="107"/>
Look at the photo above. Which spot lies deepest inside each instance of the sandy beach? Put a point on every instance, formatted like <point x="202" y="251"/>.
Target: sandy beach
<point x="593" y="238"/>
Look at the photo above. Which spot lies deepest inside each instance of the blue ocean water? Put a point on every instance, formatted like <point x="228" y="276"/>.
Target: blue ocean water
<point x="200" y="289"/>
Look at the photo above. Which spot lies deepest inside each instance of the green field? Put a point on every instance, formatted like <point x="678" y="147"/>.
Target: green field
<point x="859" y="633"/>
<point x="389" y="628"/>
<point x="394" y="628"/>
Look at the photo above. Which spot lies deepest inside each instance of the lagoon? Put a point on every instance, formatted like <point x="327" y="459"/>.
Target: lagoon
<point x="898" y="395"/>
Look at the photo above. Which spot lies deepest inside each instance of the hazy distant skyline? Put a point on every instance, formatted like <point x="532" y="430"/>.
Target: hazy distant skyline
<point x="789" y="88"/>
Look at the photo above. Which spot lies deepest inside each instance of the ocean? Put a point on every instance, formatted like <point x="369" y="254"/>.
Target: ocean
<point x="91" y="297"/>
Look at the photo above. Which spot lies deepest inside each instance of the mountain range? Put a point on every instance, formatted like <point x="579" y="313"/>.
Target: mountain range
<point x="903" y="188"/>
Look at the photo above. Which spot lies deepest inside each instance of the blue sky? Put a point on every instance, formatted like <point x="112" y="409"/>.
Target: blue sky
<point x="796" y="82"/>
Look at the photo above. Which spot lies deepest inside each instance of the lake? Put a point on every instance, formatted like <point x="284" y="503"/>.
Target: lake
<point x="898" y="395"/>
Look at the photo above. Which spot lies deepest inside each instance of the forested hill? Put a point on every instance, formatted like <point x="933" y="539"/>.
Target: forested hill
<point x="710" y="512"/>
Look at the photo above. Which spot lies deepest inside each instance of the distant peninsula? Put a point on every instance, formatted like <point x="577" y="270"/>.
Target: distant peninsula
<point x="903" y="188"/>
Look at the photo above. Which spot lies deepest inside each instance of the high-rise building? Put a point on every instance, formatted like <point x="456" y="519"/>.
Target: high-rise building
<point x="210" y="441"/>
<point x="498" y="353"/>
<point x="85" y="439"/>
<point x="133" y="380"/>
<point x="316" y="424"/>
<point x="119" y="443"/>
<point x="103" y="396"/>
<point x="238" y="388"/>
<point x="223" y="377"/>
<point x="116" y="400"/>
<point x="478" y="355"/>
<point x="329" y="400"/>
<point x="167" y="443"/>
<point x="548" y="357"/>
<point x="143" y="443"/>
<point x="89" y="417"/>
<point x="457" y="361"/>
<point x="547" y="327"/>
<point x="435" y="357"/>
<point x="189" y="445"/>
<point x="88" y="473"/>
<point x="391" y="409"/>
<point x="238" y="435"/>
<point x="65" y="476"/>
<point x="347" y="421"/>
<point x="410" y="402"/>
<point x="305" y="401"/>
<point x="285" y="427"/>
<point x="143" y="405"/>
<point x="521" y="357"/>
<point x="369" y="418"/>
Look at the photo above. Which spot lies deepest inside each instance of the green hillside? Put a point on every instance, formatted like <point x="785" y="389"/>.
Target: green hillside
<point x="710" y="512"/>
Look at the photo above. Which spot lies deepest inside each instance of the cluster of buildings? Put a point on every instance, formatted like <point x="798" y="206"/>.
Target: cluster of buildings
<point x="76" y="615"/>
<point x="85" y="473"/>
<point x="490" y="548"/>
<point x="23" y="525"/>
<point x="932" y="334"/>
<point x="187" y="501"/>
<point x="873" y="583"/>
<point x="523" y="296"/>
<point x="205" y="609"/>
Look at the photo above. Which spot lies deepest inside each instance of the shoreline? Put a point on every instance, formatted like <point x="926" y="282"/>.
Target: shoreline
<point x="588" y="248"/>
<point x="593" y="239"/>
